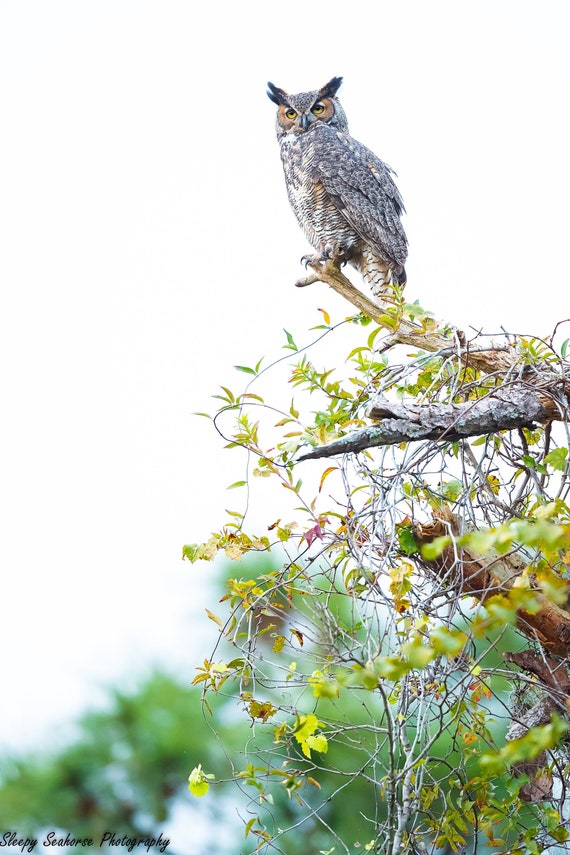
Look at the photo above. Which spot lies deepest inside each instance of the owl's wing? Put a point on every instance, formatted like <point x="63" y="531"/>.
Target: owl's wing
<point x="362" y="188"/>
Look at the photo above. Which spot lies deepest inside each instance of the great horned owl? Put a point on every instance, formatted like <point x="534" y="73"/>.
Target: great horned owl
<point x="343" y="196"/>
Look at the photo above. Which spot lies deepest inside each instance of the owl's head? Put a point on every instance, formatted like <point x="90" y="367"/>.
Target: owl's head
<point x="297" y="114"/>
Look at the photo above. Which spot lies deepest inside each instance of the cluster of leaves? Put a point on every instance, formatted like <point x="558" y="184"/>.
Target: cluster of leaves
<point x="373" y="674"/>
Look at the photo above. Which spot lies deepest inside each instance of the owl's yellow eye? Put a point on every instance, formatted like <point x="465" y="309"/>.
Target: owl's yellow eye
<point x="291" y="113"/>
<point x="318" y="109"/>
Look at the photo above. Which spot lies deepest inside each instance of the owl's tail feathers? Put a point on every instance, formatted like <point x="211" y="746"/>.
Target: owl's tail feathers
<point x="386" y="284"/>
<point x="383" y="277"/>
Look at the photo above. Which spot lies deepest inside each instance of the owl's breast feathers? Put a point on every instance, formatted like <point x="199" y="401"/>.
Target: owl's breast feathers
<point x="320" y="219"/>
<point x="335" y="182"/>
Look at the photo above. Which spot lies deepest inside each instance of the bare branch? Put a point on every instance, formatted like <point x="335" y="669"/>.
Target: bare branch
<point x="493" y="359"/>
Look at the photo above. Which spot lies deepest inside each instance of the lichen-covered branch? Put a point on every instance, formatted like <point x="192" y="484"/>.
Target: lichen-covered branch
<point x="409" y="422"/>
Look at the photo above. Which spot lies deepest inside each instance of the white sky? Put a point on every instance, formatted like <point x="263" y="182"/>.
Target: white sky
<point x="147" y="246"/>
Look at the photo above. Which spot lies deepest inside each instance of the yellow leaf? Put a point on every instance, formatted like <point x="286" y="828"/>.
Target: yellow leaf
<point x="306" y="737"/>
<point x="325" y="474"/>
<point x="318" y="743"/>
<point x="214" y="617"/>
<point x="261" y="710"/>
<point x="198" y="783"/>
<point x="298" y="635"/>
<point x="280" y="732"/>
<point x="306" y="727"/>
<point x="209" y="549"/>
<point x="234" y="552"/>
<point x="322" y="686"/>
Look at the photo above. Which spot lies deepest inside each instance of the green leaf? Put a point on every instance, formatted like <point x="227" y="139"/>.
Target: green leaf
<point x="533" y="743"/>
<point x="189" y="551"/>
<point x="557" y="459"/>
<point x="252" y="396"/>
<point x="322" y="686"/>
<point x="356" y="350"/>
<point x="418" y="654"/>
<point x="372" y="336"/>
<point x="452" y="489"/>
<point x="245" y="369"/>
<point x="502" y="610"/>
<point x="391" y="667"/>
<point x="560" y="834"/>
<point x="448" y="642"/>
<point x="484" y="540"/>
<point x="406" y="540"/>
<point x="290" y="342"/>
<point x="433" y="550"/>
<point x="230" y="395"/>
<point x="481" y="441"/>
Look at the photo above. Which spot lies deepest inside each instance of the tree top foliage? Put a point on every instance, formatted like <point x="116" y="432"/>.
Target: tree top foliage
<point x="407" y="659"/>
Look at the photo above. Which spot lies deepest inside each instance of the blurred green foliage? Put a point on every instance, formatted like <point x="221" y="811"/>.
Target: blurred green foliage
<point x="123" y="770"/>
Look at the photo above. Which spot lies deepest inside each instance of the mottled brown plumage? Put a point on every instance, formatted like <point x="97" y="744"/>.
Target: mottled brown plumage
<point x="343" y="196"/>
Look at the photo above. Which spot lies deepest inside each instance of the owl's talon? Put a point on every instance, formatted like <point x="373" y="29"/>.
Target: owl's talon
<point x="310" y="259"/>
<point x="328" y="254"/>
<point x="331" y="253"/>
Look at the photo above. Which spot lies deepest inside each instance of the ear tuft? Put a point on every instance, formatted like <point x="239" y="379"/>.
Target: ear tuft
<point x="278" y="96"/>
<point x="330" y="89"/>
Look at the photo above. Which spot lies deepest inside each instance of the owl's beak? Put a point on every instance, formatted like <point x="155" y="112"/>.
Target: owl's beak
<point x="305" y="122"/>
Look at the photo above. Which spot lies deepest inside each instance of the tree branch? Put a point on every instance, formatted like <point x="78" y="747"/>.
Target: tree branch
<point x="504" y="410"/>
<point x="550" y="672"/>
<point x="520" y="404"/>
<point x="483" y="576"/>
<point x="489" y="360"/>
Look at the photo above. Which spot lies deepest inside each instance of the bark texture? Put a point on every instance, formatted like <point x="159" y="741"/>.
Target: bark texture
<point x="514" y="408"/>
